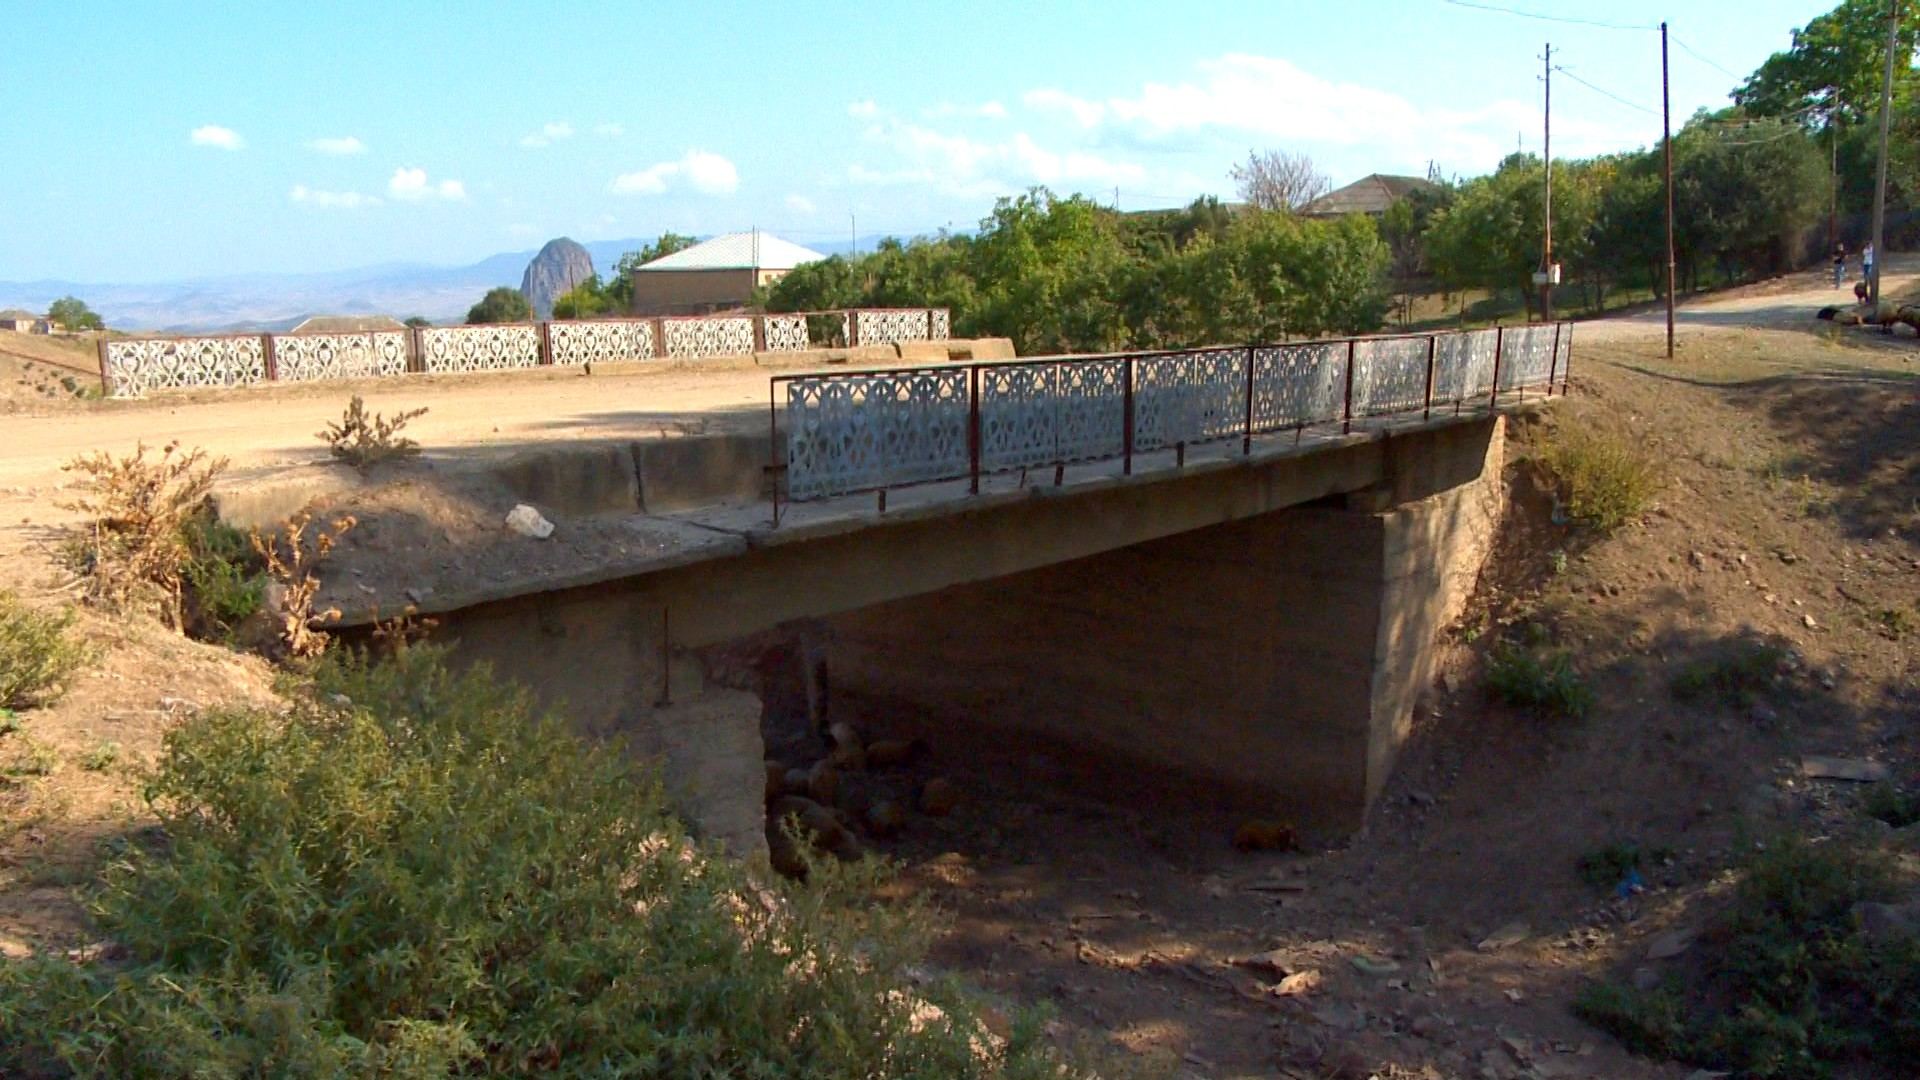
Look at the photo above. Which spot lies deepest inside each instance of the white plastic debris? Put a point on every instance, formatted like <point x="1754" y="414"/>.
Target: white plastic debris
<point x="527" y="521"/>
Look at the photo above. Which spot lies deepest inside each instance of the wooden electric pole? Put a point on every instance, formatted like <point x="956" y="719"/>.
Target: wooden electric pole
<point x="1546" y="150"/>
<point x="1666" y="141"/>
<point x="1880" y="183"/>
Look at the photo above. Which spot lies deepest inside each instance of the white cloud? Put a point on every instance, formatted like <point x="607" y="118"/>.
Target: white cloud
<point x="1276" y="102"/>
<point x="986" y="110"/>
<point x="549" y="133"/>
<point x="706" y="173"/>
<point x="800" y="204"/>
<point x="412" y="185"/>
<point x="965" y="166"/>
<point x="344" y="200"/>
<point x="344" y="146"/>
<point x="1085" y="113"/>
<point x="610" y="131"/>
<point x="216" y="136"/>
<point x="863" y="110"/>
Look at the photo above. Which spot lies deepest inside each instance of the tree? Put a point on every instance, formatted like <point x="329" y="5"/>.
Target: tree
<point x="419" y="321"/>
<point x="1278" y="180"/>
<point x="1835" y="66"/>
<point x="72" y="313"/>
<point x="585" y="300"/>
<point x="501" y="304"/>
<point x="618" y="290"/>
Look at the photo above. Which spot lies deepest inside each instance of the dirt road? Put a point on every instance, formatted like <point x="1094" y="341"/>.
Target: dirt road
<point x="1782" y="303"/>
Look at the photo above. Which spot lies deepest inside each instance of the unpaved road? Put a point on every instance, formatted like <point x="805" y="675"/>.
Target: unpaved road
<point x="1783" y="303"/>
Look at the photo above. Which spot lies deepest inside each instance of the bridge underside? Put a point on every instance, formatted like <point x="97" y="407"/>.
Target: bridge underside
<point x="1265" y="627"/>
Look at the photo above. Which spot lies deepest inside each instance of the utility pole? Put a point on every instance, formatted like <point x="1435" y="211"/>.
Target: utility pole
<point x="1666" y="168"/>
<point x="1880" y="183"/>
<point x="1833" y="175"/>
<point x="853" y="235"/>
<point x="1546" y="149"/>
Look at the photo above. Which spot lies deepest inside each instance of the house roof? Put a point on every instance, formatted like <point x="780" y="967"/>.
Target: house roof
<point x="738" y="251"/>
<point x="12" y="314"/>
<point x="347" y="324"/>
<point x="1367" y="195"/>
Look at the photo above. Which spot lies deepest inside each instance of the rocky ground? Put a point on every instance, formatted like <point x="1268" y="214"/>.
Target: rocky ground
<point x="1448" y="938"/>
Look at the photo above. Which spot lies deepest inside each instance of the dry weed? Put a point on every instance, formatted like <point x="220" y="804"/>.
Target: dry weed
<point x="133" y="547"/>
<point x="290" y="559"/>
<point x="363" y="439"/>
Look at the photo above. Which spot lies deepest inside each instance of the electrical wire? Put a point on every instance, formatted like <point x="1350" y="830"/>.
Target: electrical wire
<point x="1550" y="18"/>
<point x="1603" y="90"/>
<point x="1689" y="50"/>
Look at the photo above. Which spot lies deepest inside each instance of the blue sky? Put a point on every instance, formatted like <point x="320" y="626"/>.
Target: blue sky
<point x="157" y="141"/>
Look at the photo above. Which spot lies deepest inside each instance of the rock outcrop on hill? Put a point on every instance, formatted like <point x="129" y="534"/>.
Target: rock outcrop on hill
<point x="560" y="266"/>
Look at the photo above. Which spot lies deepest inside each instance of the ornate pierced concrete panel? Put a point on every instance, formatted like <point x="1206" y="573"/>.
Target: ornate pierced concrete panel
<point x="1389" y="375"/>
<point x="1463" y="365"/>
<point x="1296" y="385"/>
<point x="135" y="368"/>
<point x="939" y="330"/>
<point x="600" y="342"/>
<point x="1191" y="397"/>
<point x="786" y="333"/>
<point x="1045" y="414"/>
<point x="692" y="339"/>
<point x="479" y="348"/>
<point x="891" y="327"/>
<point x="852" y="432"/>
<point x="1526" y="356"/>
<point x="307" y="357"/>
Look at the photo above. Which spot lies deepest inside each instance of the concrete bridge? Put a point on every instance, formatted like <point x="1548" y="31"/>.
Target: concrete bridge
<point x="1228" y="562"/>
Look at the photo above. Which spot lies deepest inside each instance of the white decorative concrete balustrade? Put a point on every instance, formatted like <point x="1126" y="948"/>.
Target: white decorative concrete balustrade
<point x="499" y="347"/>
<point x="309" y="357"/>
<point x="603" y="341"/>
<point x="859" y="431"/>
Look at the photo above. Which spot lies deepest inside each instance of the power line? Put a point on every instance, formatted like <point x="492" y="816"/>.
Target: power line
<point x="1550" y="18"/>
<point x="1608" y="93"/>
<point x="1689" y="50"/>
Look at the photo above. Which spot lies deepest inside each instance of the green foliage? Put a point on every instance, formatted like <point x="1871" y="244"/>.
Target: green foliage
<point x="1790" y="985"/>
<point x="101" y="757"/>
<point x="1540" y="680"/>
<point x="1835" y="64"/>
<point x="586" y="300"/>
<point x="1067" y="275"/>
<point x="72" y="313"/>
<point x="1733" y="676"/>
<point x="1605" y="867"/>
<point x="436" y="881"/>
<point x="225" y="580"/>
<point x="501" y="305"/>
<point x="618" y="291"/>
<point x="417" y="322"/>
<point x="1604" y="479"/>
<point x="37" y="654"/>
<point x="1888" y="803"/>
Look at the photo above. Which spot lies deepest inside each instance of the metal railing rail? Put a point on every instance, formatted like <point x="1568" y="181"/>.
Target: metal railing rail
<point x="871" y="430"/>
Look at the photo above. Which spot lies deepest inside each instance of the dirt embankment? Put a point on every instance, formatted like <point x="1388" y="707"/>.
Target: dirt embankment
<point x="1450" y="937"/>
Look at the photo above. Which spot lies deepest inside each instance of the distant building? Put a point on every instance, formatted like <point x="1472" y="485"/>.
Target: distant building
<point x="347" y="324"/>
<point x="24" y="322"/>
<point x="1370" y="195"/>
<point x="716" y="274"/>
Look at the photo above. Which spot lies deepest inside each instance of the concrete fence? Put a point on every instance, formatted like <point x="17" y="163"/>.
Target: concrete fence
<point x="134" y="367"/>
<point x="871" y="430"/>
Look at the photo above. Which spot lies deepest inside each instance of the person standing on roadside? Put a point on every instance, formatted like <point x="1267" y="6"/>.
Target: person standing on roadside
<point x="1839" y="264"/>
<point x="1866" y="264"/>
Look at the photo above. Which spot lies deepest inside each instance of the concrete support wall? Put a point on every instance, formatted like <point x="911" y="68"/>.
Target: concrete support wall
<point x="1278" y="658"/>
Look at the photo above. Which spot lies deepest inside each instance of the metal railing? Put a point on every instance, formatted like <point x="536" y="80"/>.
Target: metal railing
<point x="871" y="430"/>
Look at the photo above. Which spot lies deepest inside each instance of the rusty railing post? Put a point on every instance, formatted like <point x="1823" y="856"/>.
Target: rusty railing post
<point x="1499" y="346"/>
<point x="1126" y="418"/>
<point x="1553" y="361"/>
<point x="773" y="446"/>
<point x="1346" y="410"/>
<point x="270" y="357"/>
<point x="106" y="376"/>
<point x="416" y="339"/>
<point x="1246" y="439"/>
<point x="1566" y="371"/>
<point x="759" y="333"/>
<point x="1433" y="348"/>
<point x="546" y="343"/>
<point x="973" y="429"/>
<point x="659" y="338"/>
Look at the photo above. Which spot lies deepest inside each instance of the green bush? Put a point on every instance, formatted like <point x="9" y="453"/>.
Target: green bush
<point x="224" y="580"/>
<point x="37" y="655"/>
<point x="1734" y="676"/>
<point x="438" y="881"/>
<point x="1790" y="985"/>
<point x="1604" y="479"/>
<point x="1530" y="677"/>
<point x="1888" y="803"/>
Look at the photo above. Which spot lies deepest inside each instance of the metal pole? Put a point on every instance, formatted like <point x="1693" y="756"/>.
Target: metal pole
<point x="1246" y="440"/>
<point x="1666" y="128"/>
<point x="1553" y="360"/>
<point x="973" y="429"/>
<point x="1499" y="346"/>
<point x="1433" y="346"/>
<point x="1346" y="410"/>
<point x="1546" y="150"/>
<point x="1126" y="419"/>
<point x="1880" y="184"/>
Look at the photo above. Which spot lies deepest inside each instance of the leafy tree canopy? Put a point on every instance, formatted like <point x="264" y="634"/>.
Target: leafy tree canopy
<point x="501" y="304"/>
<point x="72" y="313"/>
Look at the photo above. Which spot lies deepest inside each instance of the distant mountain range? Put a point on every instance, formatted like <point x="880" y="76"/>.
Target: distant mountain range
<point x="276" y="302"/>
